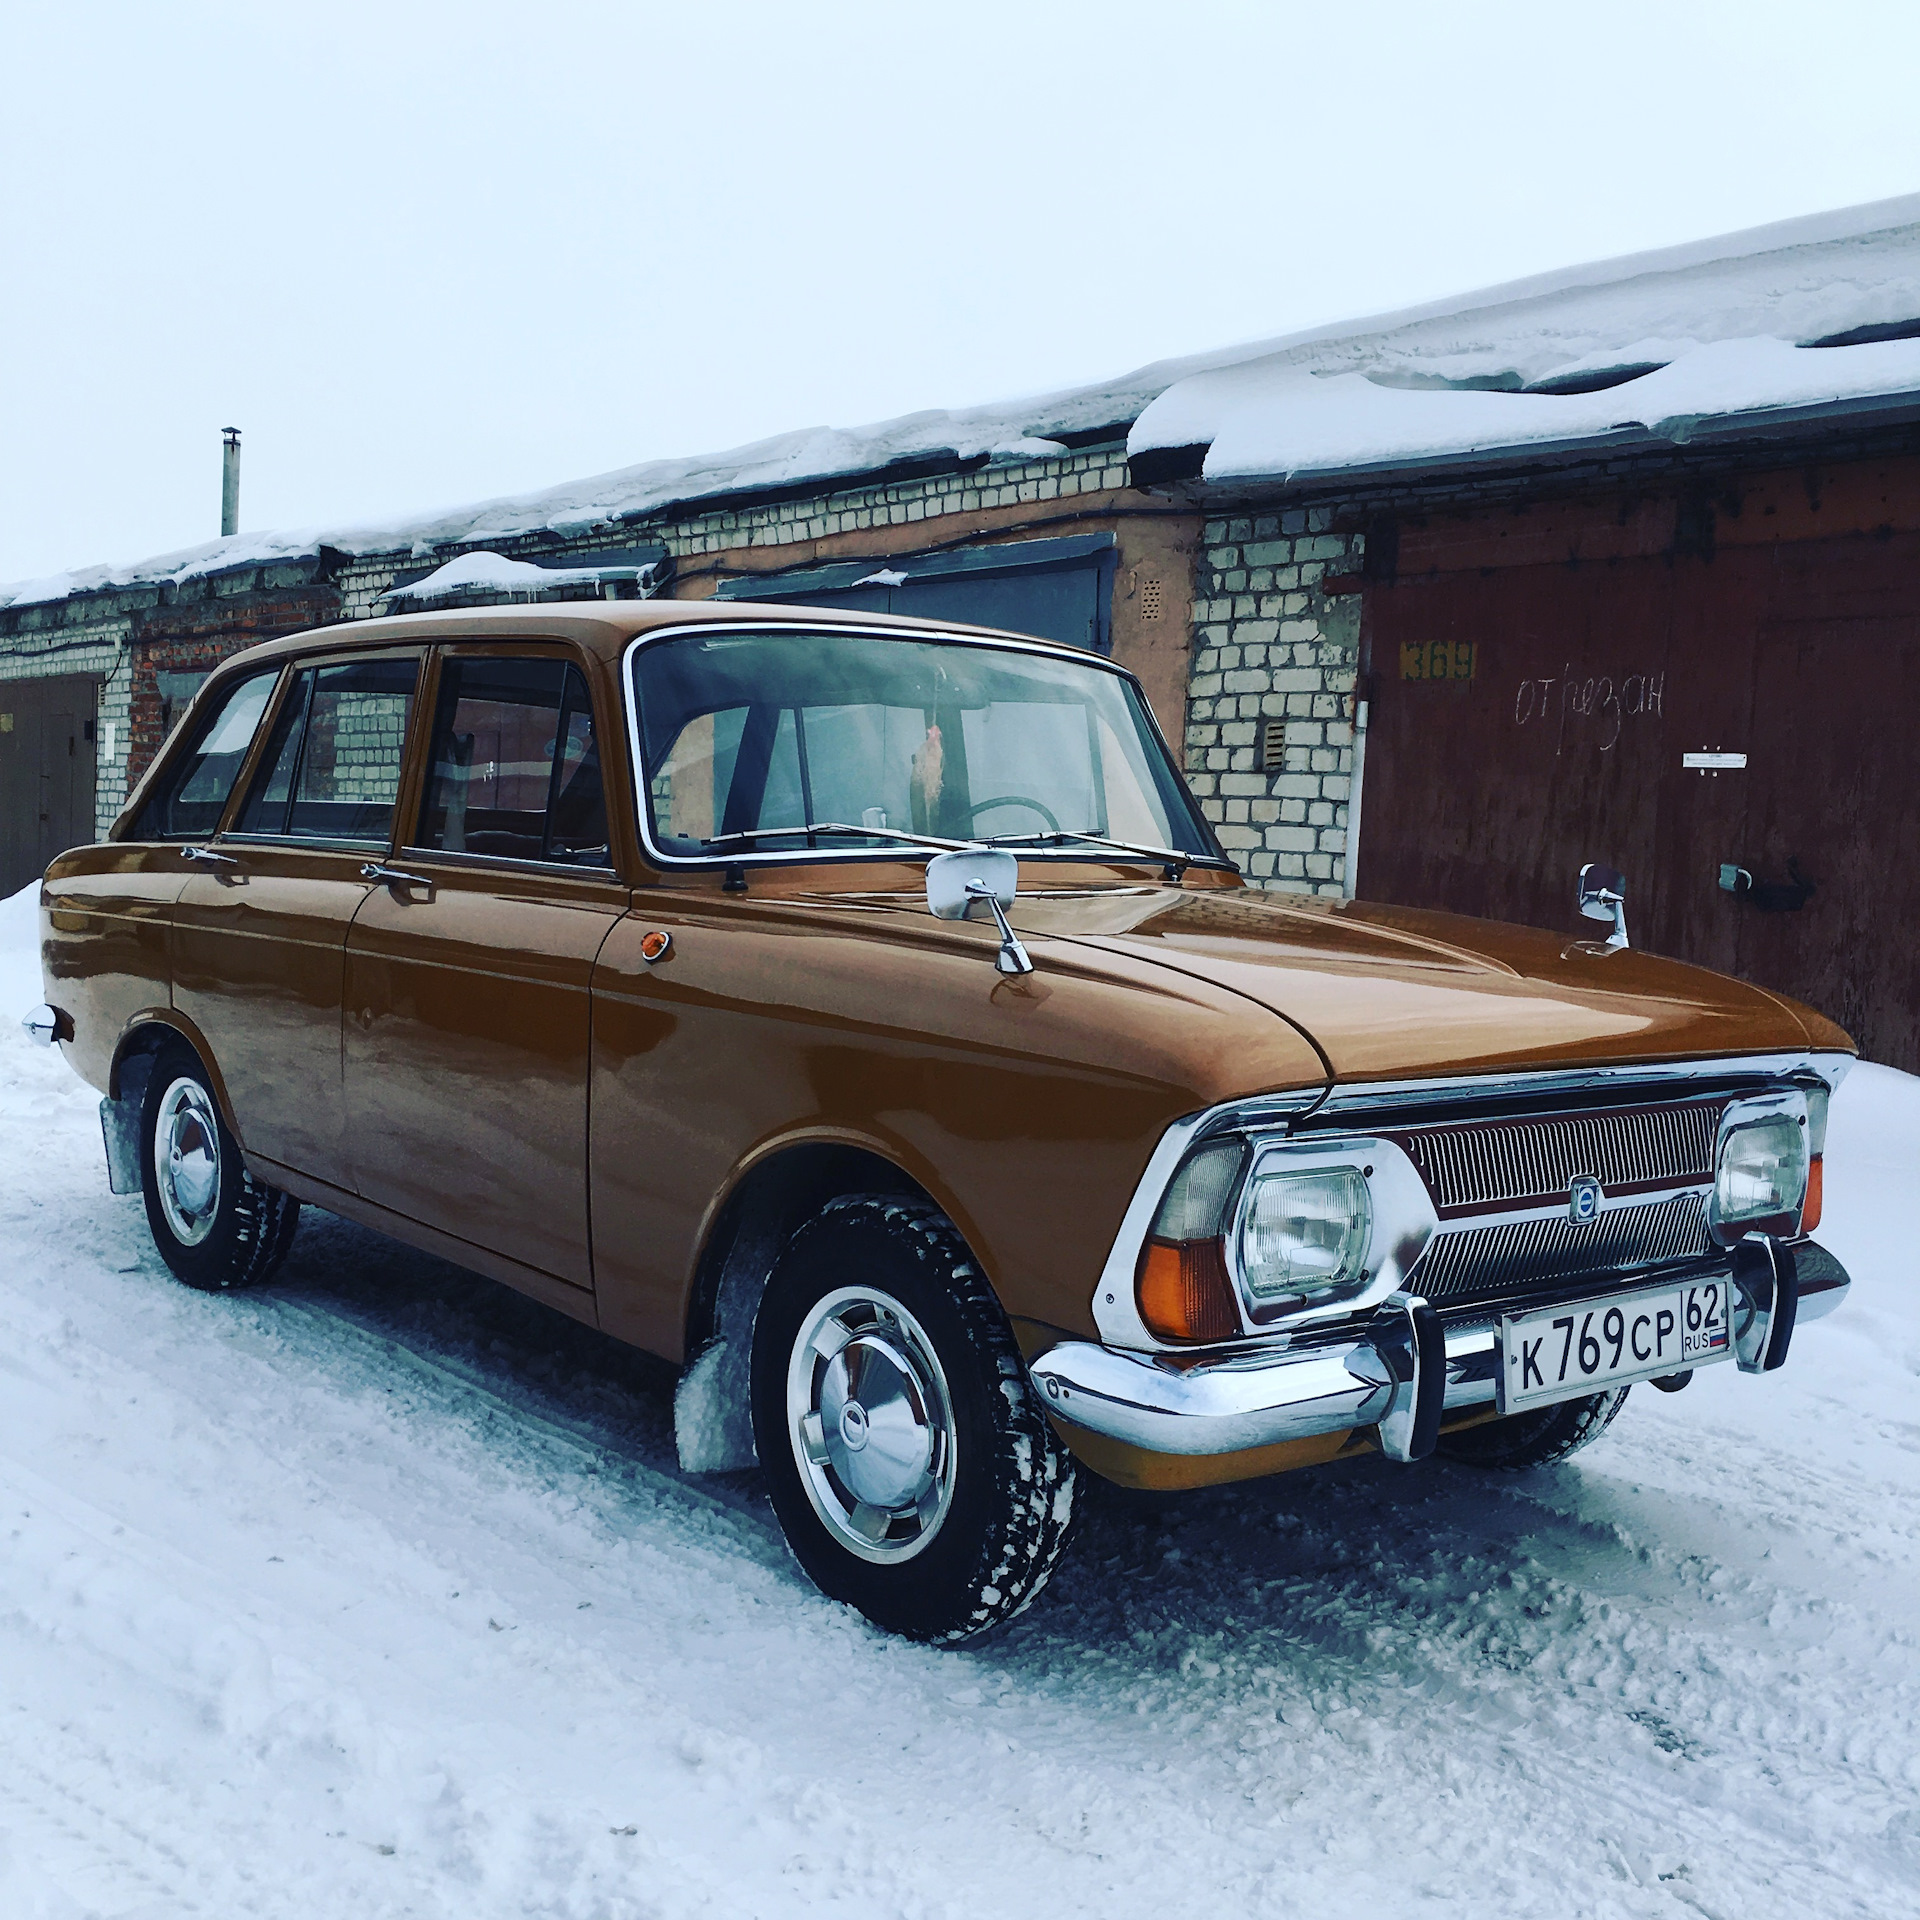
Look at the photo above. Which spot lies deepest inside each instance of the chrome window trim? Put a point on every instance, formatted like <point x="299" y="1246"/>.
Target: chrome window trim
<point x="1216" y="861"/>
<point x="331" y="843"/>
<point x="1116" y="1314"/>
<point x="507" y="863"/>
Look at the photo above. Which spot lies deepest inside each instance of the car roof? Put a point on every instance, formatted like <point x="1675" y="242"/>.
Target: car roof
<point x="604" y="627"/>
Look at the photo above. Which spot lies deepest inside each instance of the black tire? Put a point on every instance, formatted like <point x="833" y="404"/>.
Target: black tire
<point x="221" y="1229"/>
<point x="1538" y="1438"/>
<point x="1006" y="1482"/>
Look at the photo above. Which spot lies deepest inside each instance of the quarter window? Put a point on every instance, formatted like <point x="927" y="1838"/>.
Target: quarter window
<point x="514" y="766"/>
<point x="332" y="767"/>
<point x="189" y="805"/>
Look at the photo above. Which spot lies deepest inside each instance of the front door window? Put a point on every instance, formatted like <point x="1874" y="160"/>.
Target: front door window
<point x="514" y="769"/>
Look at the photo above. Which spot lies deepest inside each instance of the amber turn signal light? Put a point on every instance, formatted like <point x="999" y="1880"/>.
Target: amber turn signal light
<point x="655" y="946"/>
<point x="1184" y="1292"/>
<point x="1816" y="1194"/>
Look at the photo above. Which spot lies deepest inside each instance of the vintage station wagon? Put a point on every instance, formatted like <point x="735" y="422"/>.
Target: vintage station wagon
<point x="862" y="1013"/>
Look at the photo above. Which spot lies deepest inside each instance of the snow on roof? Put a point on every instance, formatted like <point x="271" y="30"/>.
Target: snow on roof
<point x="494" y="573"/>
<point x="1728" y="325"/>
<point x="1277" y="421"/>
<point x="1411" y="384"/>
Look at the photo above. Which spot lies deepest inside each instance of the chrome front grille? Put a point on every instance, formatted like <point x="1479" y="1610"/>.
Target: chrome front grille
<point x="1478" y="1262"/>
<point x="1479" y="1166"/>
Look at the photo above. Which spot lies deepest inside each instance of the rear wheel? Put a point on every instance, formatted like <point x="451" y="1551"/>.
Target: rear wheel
<point x="910" y="1464"/>
<point x="1538" y="1438"/>
<point x="216" y="1226"/>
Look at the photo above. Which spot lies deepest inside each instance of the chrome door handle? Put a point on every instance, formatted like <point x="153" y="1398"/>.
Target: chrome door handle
<point x="207" y="856"/>
<point x="392" y="876"/>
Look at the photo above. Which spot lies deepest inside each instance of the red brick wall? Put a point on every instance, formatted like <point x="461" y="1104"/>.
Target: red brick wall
<point x="192" y="639"/>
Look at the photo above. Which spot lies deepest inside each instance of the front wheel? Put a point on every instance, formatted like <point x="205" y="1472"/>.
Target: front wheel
<point x="216" y="1226"/>
<point x="912" y="1469"/>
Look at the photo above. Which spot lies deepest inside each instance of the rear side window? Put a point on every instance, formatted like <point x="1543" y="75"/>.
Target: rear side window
<point x="514" y="767"/>
<point x="189" y="804"/>
<point x="332" y="767"/>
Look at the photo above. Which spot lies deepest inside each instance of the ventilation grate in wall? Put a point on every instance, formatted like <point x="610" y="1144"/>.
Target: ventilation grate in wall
<point x="1273" y="745"/>
<point x="1150" y="600"/>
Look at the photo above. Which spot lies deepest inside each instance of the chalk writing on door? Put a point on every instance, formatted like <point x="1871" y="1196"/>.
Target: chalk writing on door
<point x="1597" y="700"/>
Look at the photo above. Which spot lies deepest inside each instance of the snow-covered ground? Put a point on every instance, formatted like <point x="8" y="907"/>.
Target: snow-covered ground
<point x="379" y="1593"/>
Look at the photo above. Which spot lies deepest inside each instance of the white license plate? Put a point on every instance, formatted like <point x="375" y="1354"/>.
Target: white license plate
<point x="1560" y="1353"/>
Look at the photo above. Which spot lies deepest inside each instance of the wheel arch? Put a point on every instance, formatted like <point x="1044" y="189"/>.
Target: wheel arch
<point x="770" y="1198"/>
<point x="145" y="1035"/>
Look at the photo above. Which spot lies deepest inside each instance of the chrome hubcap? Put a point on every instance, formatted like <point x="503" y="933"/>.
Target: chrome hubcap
<point x="871" y="1424"/>
<point x="186" y="1161"/>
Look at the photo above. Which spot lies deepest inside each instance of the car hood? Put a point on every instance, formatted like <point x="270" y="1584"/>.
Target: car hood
<point x="1391" y="992"/>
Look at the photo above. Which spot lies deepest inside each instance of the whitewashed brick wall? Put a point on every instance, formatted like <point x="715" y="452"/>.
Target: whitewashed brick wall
<point x="693" y="537"/>
<point x="1270" y="644"/>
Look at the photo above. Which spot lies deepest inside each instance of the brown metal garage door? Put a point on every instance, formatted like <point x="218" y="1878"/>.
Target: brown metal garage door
<point x="46" y="773"/>
<point x="1529" y="718"/>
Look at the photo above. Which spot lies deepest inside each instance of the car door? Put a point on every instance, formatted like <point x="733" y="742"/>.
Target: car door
<point x="111" y="933"/>
<point x="467" y="1028"/>
<point x="260" y="931"/>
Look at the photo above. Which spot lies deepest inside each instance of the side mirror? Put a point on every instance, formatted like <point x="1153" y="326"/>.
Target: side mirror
<point x="956" y="880"/>
<point x="950" y="875"/>
<point x="1603" y="896"/>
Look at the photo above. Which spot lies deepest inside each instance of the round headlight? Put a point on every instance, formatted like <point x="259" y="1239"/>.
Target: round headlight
<point x="1304" y="1233"/>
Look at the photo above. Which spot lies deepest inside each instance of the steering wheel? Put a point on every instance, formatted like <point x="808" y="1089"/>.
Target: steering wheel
<point x="1045" y="812"/>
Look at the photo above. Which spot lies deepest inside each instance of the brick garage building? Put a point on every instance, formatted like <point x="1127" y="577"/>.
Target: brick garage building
<point x="1434" y="606"/>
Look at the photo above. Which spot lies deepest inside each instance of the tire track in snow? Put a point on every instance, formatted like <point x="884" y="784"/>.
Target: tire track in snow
<point x="1547" y="1765"/>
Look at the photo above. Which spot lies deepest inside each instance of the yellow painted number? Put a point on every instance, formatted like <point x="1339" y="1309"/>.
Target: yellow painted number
<point x="1436" y="659"/>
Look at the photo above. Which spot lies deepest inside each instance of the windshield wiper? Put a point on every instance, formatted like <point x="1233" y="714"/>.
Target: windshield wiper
<point x="1172" y="859"/>
<point x="839" y="827"/>
<point x="1176" y="863"/>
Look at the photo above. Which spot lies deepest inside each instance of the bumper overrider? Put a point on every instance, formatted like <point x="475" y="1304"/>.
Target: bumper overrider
<point x="1403" y="1366"/>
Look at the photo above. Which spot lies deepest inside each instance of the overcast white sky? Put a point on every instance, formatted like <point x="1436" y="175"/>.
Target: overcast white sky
<point x="423" y="254"/>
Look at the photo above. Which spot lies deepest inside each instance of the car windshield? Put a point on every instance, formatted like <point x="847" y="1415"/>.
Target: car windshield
<point x="748" y="739"/>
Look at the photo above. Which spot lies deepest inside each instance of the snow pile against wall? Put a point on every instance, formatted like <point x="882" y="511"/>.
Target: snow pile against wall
<point x="1274" y="420"/>
<point x="20" y="983"/>
<point x="1798" y="281"/>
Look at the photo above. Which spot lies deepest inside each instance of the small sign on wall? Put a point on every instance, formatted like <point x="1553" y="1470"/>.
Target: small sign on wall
<point x="1436" y="659"/>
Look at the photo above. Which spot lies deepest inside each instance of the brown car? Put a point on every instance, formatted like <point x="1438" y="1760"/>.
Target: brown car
<point x="591" y="947"/>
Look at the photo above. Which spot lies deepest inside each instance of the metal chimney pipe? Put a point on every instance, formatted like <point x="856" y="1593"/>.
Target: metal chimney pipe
<point x="229" y="481"/>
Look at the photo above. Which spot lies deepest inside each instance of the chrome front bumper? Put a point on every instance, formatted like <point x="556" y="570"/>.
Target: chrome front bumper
<point x="1402" y="1371"/>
